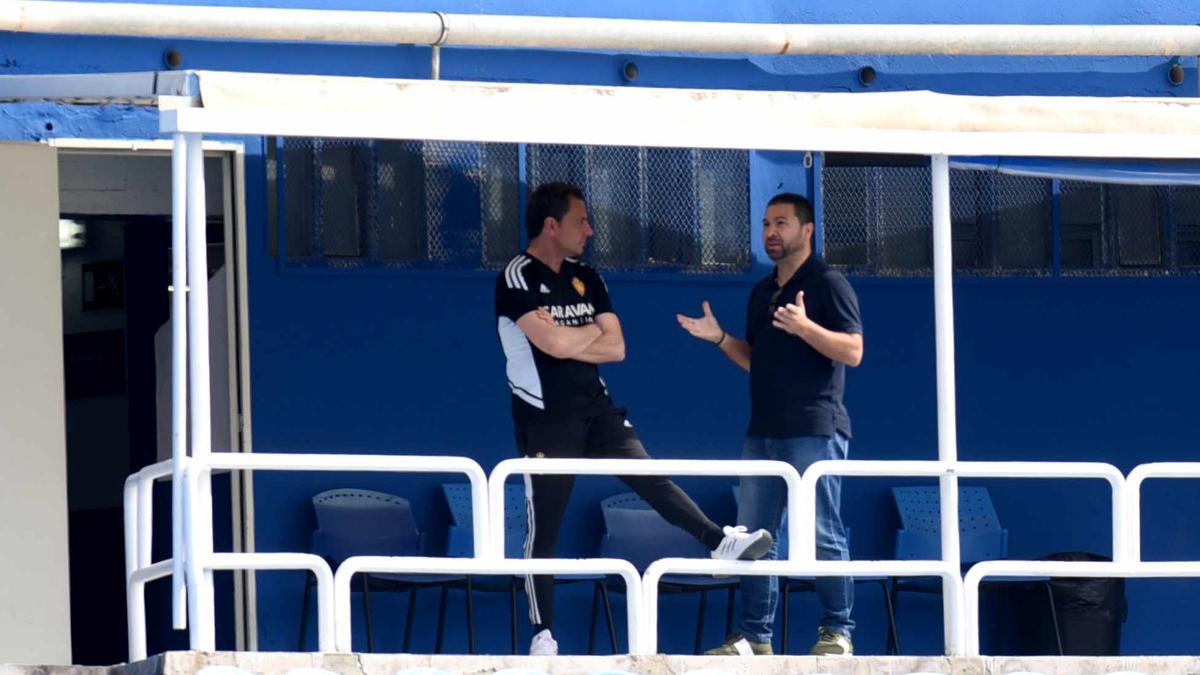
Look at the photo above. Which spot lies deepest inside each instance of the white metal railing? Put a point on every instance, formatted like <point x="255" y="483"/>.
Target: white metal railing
<point x="635" y="467"/>
<point x="897" y="468"/>
<point x="1133" y="510"/>
<point x="956" y="634"/>
<point x="961" y="596"/>
<point x="422" y="565"/>
<point x="1055" y="568"/>
<point x="952" y="584"/>
<point x="139" y="570"/>
<point x="1127" y="552"/>
<point x="201" y="560"/>
<point x="648" y="642"/>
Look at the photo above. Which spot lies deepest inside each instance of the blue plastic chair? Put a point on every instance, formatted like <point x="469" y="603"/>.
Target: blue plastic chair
<point x="460" y="543"/>
<point x="637" y="533"/>
<point x="353" y="522"/>
<point x="807" y="584"/>
<point x="981" y="537"/>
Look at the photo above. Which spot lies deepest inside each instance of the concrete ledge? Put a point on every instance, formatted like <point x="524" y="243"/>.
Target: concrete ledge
<point x="279" y="663"/>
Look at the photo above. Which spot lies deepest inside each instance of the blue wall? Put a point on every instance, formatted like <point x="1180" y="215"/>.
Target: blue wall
<point x="409" y="362"/>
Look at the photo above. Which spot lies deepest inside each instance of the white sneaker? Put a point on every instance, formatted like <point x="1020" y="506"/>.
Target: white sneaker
<point x="739" y="544"/>
<point x="543" y="644"/>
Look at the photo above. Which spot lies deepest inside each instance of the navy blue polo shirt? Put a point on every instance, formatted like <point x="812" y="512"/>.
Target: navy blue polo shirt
<point x="794" y="390"/>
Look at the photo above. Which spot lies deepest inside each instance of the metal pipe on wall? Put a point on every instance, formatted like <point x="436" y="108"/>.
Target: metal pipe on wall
<point x="637" y="35"/>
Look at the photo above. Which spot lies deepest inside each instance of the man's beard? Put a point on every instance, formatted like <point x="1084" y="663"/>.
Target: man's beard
<point x="785" y="251"/>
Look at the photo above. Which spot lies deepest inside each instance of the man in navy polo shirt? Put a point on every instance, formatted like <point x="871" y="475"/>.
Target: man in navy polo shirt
<point x="802" y="330"/>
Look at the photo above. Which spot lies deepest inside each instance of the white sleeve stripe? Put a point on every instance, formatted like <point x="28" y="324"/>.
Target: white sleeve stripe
<point x="513" y="273"/>
<point x="508" y="272"/>
<point x="519" y="272"/>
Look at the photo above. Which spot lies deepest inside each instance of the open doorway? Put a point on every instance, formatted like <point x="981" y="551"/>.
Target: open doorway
<point x="115" y="242"/>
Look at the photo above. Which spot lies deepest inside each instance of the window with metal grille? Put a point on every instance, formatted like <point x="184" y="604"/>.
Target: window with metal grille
<point x="877" y="220"/>
<point x="683" y="210"/>
<point x="352" y="203"/>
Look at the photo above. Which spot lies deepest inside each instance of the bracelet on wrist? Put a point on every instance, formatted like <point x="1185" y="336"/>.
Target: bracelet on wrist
<point x="723" y="336"/>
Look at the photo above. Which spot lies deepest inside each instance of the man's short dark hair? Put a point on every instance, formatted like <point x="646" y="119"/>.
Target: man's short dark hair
<point x="804" y="209"/>
<point x="549" y="200"/>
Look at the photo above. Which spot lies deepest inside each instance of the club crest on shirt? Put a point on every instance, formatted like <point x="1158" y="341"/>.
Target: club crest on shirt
<point x="578" y="285"/>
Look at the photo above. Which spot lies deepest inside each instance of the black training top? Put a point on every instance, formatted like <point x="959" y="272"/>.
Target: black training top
<point x="794" y="390"/>
<point x="544" y="388"/>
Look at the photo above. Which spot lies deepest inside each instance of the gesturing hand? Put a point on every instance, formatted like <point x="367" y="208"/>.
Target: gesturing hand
<point x="793" y="318"/>
<point x="705" y="327"/>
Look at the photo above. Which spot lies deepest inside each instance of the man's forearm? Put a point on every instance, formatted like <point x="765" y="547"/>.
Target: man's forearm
<point x="737" y="350"/>
<point x="844" y="348"/>
<point x="574" y="340"/>
<point x="608" y="348"/>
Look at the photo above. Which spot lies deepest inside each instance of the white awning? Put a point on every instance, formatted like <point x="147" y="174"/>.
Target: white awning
<point x="902" y="122"/>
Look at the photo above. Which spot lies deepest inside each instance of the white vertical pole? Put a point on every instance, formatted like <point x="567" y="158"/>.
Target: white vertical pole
<point x="178" y="374"/>
<point x="135" y="630"/>
<point x="203" y="633"/>
<point x="943" y="302"/>
<point x="1131" y="525"/>
<point x="135" y="620"/>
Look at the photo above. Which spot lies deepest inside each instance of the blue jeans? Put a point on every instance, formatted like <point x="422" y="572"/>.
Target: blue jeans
<point x="763" y="503"/>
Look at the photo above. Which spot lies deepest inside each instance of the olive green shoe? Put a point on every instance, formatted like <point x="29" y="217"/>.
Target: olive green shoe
<point x="832" y="643"/>
<point x="736" y="645"/>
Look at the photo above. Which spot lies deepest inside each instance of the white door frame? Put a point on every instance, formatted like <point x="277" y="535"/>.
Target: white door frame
<point x="233" y="165"/>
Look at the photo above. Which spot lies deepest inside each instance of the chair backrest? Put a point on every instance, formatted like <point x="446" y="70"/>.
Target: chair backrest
<point x="353" y="522"/>
<point x="981" y="535"/>
<point x="460" y="541"/>
<point x="635" y="532"/>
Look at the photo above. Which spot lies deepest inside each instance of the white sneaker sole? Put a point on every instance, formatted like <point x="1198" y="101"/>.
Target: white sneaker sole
<point x="757" y="549"/>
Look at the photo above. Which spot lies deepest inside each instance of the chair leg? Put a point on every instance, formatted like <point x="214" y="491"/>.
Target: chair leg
<point x="893" y="639"/>
<point x="512" y="602"/>
<point x="729" y="610"/>
<point x="1054" y="617"/>
<point x="608" y="614"/>
<point x="700" y="620"/>
<point x="366" y="593"/>
<point x="894" y="601"/>
<point x="304" y="614"/>
<point x="785" y="589"/>
<point x="408" y="620"/>
<point x="441" y="624"/>
<point x="470" y="617"/>
<point x="592" y="622"/>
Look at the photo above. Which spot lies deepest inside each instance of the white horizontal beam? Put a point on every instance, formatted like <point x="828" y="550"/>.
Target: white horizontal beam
<point x="638" y="35"/>
<point x="902" y="122"/>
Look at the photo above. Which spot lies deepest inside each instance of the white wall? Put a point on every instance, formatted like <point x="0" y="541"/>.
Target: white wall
<point x="128" y="184"/>
<point x="35" y="622"/>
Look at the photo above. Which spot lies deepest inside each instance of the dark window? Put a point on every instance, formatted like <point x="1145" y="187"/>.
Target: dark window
<point x="351" y="203"/>
<point x="683" y="210"/>
<point x="399" y="203"/>
<point x="878" y="221"/>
